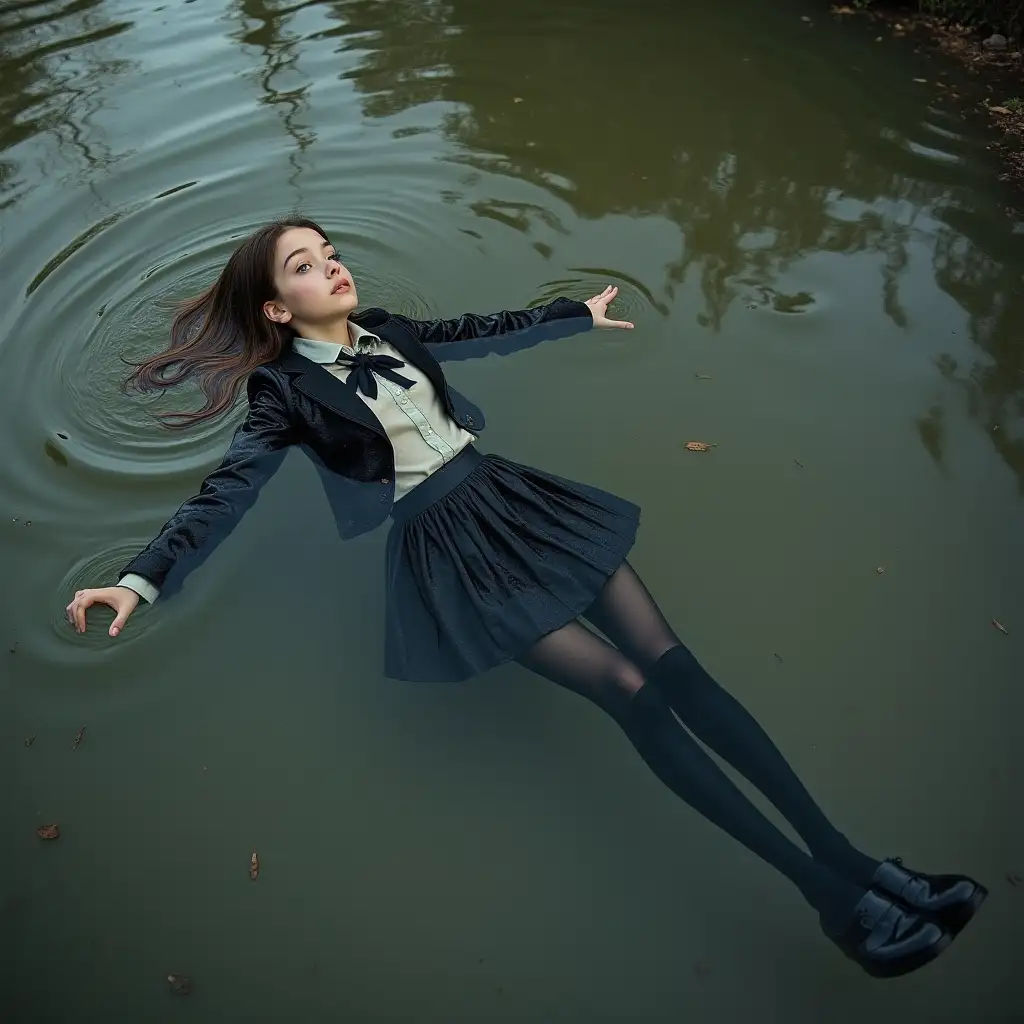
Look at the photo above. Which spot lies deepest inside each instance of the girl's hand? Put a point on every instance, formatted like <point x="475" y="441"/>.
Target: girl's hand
<point x="599" y="305"/>
<point x="121" y="599"/>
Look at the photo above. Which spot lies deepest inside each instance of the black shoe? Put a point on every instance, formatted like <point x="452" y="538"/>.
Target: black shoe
<point x="951" y="900"/>
<point x="887" y="940"/>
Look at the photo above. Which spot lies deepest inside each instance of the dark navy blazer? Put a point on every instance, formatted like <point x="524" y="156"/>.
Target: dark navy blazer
<point x="294" y="402"/>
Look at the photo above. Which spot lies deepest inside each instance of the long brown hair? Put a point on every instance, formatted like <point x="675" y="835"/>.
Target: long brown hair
<point x="221" y="336"/>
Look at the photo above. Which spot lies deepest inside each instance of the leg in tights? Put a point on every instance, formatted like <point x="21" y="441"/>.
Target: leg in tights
<point x="627" y="614"/>
<point x="579" y="660"/>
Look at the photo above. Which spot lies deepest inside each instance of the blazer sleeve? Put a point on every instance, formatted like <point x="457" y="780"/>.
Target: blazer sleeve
<point x="474" y="334"/>
<point x="188" y="538"/>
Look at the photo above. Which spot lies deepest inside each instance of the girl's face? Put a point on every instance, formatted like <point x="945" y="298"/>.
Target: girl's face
<point x="313" y="287"/>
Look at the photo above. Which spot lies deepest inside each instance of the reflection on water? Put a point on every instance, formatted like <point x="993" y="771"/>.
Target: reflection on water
<point x="56" y="68"/>
<point x="726" y="173"/>
<point x="790" y="219"/>
<point x="264" y="28"/>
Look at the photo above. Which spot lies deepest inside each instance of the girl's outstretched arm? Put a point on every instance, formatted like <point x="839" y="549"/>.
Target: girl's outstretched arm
<point x="510" y="331"/>
<point x="188" y="538"/>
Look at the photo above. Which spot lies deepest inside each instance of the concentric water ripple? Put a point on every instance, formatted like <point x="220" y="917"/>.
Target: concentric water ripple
<point x="380" y="281"/>
<point x="97" y="304"/>
<point x="99" y="569"/>
<point x="632" y="303"/>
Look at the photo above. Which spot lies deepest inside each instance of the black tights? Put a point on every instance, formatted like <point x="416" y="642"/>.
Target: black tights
<point x="646" y="676"/>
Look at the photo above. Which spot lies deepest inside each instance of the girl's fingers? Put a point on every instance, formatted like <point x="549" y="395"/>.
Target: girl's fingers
<point x="81" y="603"/>
<point x="118" y="623"/>
<point x="606" y="296"/>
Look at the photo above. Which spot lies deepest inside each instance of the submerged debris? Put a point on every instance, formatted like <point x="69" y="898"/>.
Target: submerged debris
<point x="181" y="984"/>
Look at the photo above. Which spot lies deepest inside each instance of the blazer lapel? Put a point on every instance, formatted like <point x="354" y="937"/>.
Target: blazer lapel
<point x="316" y="381"/>
<point x="322" y="386"/>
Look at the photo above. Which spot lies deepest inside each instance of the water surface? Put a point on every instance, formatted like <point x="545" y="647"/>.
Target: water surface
<point x="815" y="250"/>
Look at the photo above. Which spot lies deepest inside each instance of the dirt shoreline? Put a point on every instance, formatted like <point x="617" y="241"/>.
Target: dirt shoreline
<point x="999" y="69"/>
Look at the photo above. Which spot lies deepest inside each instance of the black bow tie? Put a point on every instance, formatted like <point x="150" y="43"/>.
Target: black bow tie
<point x="364" y="366"/>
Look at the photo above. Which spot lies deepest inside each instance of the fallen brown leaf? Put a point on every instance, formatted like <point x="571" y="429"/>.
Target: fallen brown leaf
<point x="254" y="866"/>
<point x="699" y="446"/>
<point x="78" y="737"/>
<point x="48" y="831"/>
<point x="1000" y="627"/>
<point x="843" y="10"/>
<point x="181" y="984"/>
<point x="999" y="110"/>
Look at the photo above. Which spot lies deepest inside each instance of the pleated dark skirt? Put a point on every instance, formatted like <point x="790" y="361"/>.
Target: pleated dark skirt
<point x="486" y="556"/>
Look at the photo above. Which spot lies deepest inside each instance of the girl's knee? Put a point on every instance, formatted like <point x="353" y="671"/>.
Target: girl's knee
<point x="626" y="679"/>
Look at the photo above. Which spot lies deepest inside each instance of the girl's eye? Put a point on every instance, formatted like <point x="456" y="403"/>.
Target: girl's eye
<point x="300" y="269"/>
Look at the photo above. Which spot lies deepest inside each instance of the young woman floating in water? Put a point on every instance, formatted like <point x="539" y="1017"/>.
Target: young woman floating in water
<point x="490" y="561"/>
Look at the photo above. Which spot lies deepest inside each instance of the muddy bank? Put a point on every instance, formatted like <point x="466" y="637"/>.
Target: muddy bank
<point x="985" y="39"/>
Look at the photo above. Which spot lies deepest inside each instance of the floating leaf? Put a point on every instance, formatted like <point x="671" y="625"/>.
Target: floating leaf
<point x="699" y="446"/>
<point x="880" y="569"/>
<point x="78" y="737"/>
<point x="921" y="81"/>
<point x="48" y="831"/>
<point x="999" y="110"/>
<point x="799" y="463"/>
<point x="1000" y="627"/>
<point x="181" y="984"/>
<point x="843" y="10"/>
<point x="254" y="866"/>
<point x="517" y="99"/>
<point x="29" y="740"/>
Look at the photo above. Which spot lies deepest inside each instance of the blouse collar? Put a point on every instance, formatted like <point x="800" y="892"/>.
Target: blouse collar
<point x="328" y="351"/>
